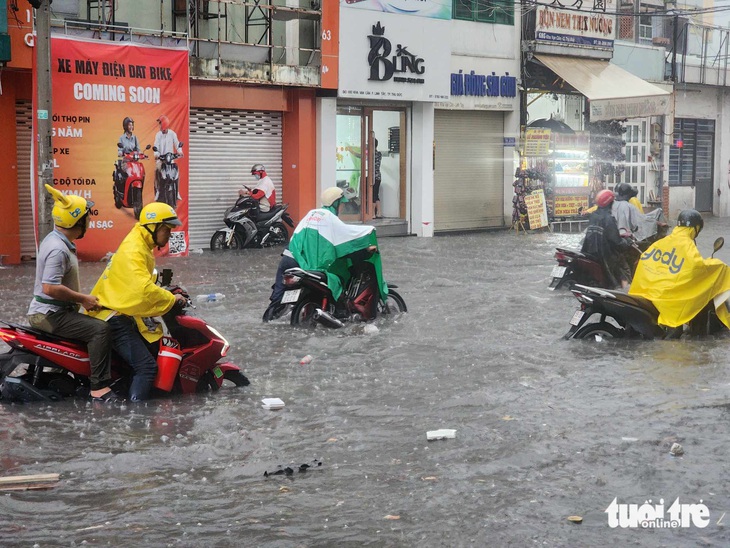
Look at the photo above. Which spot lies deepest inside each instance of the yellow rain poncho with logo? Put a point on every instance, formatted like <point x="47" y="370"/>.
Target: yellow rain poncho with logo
<point x="127" y="285"/>
<point x="678" y="281"/>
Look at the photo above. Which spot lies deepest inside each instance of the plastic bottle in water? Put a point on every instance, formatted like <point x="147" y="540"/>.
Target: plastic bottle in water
<point x="210" y="298"/>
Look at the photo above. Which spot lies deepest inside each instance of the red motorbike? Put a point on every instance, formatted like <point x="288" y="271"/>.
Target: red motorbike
<point x="129" y="180"/>
<point x="42" y="367"/>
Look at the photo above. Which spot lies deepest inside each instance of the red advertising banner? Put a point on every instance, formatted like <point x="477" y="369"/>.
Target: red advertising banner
<point x="97" y="87"/>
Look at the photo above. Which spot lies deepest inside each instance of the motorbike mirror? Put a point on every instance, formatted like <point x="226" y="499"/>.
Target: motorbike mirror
<point x="154" y="148"/>
<point x="180" y="144"/>
<point x="148" y="147"/>
<point x="717" y="246"/>
<point x="119" y="145"/>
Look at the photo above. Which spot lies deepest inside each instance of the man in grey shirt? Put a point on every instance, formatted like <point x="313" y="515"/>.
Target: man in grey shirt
<point x="56" y="300"/>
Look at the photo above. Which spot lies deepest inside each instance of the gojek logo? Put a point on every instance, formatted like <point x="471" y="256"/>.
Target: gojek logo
<point x="653" y="516"/>
<point x="668" y="258"/>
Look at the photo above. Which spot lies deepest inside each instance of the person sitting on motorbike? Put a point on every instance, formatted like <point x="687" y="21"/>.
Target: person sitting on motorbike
<point x="603" y="241"/>
<point x="55" y="305"/>
<point x="630" y="219"/>
<point x="321" y="241"/>
<point x="264" y="192"/>
<point x="165" y="141"/>
<point x="129" y="298"/>
<point x="675" y="277"/>
<point x="128" y="141"/>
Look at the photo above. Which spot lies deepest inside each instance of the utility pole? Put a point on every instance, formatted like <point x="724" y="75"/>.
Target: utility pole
<point x="43" y="116"/>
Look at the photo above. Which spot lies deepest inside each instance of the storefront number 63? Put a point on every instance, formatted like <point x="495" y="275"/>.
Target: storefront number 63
<point x="326" y="34"/>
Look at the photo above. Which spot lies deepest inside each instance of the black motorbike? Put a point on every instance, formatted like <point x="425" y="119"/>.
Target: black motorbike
<point x="575" y="267"/>
<point x="616" y="315"/>
<point x="312" y="301"/>
<point x="247" y="226"/>
<point x="167" y="177"/>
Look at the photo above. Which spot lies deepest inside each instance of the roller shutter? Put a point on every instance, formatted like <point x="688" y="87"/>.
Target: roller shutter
<point x="469" y="170"/>
<point x="224" y="144"/>
<point x="23" y="134"/>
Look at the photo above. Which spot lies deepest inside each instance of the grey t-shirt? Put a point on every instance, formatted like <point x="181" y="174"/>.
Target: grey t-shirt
<point x="56" y="263"/>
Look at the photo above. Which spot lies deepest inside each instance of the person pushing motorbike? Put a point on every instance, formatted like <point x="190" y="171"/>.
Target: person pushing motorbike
<point x="321" y="241"/>
<point x="57" y="296"/>
<point x="675" y="277"/>
<point x="129" y="298"/>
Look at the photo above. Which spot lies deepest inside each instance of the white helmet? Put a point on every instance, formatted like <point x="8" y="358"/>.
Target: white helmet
<point x="331" y="195"/>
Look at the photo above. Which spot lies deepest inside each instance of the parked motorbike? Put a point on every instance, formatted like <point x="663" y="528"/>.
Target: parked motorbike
<point x="618" y="315"/>
<point x="575" y="267"/>
<point x="352" y="205"/>
<point x="128" y="180"/>
<point x="43" y="367"/>
<point x="313" y="303"/>
<point x="248" y="226"/>
<point x="167" y="177"/>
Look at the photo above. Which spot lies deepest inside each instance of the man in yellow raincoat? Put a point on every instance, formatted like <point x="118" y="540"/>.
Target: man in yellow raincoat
<point x="677" y="280"/>
<point x="130" y="299"/>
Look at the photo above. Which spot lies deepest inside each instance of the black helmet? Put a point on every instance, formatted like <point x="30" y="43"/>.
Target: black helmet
<point x="692" y="218"/>
<point x="125" y="122"/>
<point x="625" y="191"/>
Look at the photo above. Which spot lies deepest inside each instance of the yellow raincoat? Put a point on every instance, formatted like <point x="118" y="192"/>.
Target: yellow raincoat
<point x="678" y="281"/>
<point x="128" y="287"/>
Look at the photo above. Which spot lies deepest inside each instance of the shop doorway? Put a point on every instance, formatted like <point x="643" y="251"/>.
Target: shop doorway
<point x="371" y="158"/>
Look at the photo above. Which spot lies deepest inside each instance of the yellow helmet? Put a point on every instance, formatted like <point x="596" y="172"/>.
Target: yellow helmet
<point x="68" y="209"/>
<point x="158" y="213"/>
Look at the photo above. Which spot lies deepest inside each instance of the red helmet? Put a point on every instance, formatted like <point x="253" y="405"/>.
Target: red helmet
<point x="164" y="122"/>
<point x="604" y="198"/>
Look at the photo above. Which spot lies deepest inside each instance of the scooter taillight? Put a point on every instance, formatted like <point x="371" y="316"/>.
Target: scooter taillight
<point x="561" y="257"/>
<point x="7" y="337"/>
<point x="290" y="279"/>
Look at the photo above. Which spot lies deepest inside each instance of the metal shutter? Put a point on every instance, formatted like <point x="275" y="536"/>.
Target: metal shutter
<point x="469" y="170"/>
<point x="224" y="144"/>
<point x="23" y="134"/>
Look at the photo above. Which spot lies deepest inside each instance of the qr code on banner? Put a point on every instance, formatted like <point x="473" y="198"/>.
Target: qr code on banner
<point x="177" y="243"/>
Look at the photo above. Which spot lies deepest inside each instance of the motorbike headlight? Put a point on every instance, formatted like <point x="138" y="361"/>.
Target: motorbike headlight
<point x="226" y="346"/>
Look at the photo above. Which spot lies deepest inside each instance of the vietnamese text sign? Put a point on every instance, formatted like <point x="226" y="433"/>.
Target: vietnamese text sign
<point x="97" y="85"/>
<point x="567" y="206"/>
<point x="536" y="209"/>
<point x="586" y="24"/>
<point x="630" y="107"/>
<point x="537" y="142"/>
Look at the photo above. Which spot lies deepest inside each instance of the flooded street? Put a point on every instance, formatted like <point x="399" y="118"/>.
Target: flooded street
<point x="545" y="428"/>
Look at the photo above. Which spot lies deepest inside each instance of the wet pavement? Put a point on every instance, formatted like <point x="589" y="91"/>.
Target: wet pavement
<point x="545" y="428"/>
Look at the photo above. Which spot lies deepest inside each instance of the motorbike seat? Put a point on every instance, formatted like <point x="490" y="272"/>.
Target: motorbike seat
<point x="45" y="335"/>
<point x="635" y="300"/>
<point x="266" y="215"/>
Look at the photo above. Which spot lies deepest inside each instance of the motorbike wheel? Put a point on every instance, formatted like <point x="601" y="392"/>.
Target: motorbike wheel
<point x="218" y="241"/>
<point x="137" y="202"/>
<point x="303" y="313"/>
<point x="277" y="235"/>
<point x="207" y="383"/>
<point x="236" y="377"/>
<point x="597" y="331"/>
<point x="394" y="304"/>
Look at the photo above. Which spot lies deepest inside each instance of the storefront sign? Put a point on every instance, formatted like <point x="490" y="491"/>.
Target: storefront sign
<point x="387" y="56"/>
<point x="437" y="9"/>
<point x="508" y="141"/>
<point x="567" y="206"/>
<point x="585" y="24"/>
<point x="96" y="85"/>
<point x="633" y="107"/>
<point x="537" y="142"/>
<point x="481" y="85"/>
<point x="536" y="209"/>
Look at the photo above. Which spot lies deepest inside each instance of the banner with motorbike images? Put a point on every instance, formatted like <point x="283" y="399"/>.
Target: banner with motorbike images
<point x="113" y="105"/>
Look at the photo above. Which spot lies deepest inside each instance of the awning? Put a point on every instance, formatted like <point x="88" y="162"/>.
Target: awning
<point x="612" y="92"/>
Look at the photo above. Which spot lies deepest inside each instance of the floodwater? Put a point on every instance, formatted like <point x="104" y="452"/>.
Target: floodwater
<point x="545" y="428"/>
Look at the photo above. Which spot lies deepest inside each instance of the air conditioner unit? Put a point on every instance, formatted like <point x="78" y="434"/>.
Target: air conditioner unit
<point x="660" y="41"/>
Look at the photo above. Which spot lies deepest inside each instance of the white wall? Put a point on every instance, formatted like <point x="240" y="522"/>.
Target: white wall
<point x="326" y="144"/>
<point x="485" y="39"/>
<point x="421" y="163"/>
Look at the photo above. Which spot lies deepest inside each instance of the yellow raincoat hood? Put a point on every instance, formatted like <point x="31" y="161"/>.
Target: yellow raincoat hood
<point x="128" y="287"/>
<point x="678" y="281"/>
